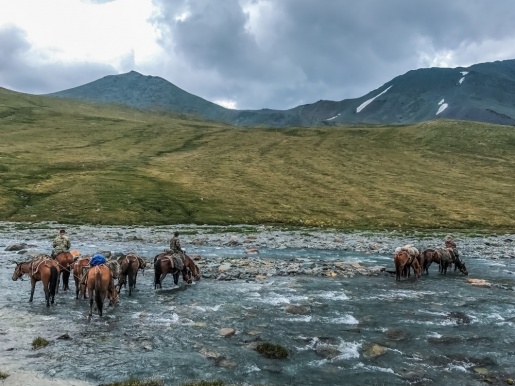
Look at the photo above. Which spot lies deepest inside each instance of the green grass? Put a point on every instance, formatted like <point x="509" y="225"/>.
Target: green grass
<point x="271" y="350"/>
<point x="74" y="162"/>
<point x="39" y="342"/>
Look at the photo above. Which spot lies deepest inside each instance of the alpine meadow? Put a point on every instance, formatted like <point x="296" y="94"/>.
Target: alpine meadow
<point x="76" y="162"/>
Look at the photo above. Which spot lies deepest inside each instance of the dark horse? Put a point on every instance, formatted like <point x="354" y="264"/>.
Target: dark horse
<point x="65" y="261"/>
<point x="444" y="257"/>
<point x="43" y="269"/>
<point x="99" y="281"/>
<point x="129" y="266"/>
<point x="165" y="263"/>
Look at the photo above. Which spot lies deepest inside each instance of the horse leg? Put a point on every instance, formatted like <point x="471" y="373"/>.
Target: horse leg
<point x="76" y="280"/>
<point x="90" y="293"/>
<point x="66" y="279"/>
<point x="175" y="277"/>
<point x="32" y="288"/>
<point x="47" y="292"/>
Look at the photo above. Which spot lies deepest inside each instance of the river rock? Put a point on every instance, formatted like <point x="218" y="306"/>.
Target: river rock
<point x="225" y="332"/>
<point x="327" y="351"/>
<point x="459" y="317"/>
<point x="224" y="267"/>
<point x="396" y="334"/>
<point x="213" y="355"/>
<point x="298" y="309"/>
<point x="373" y="351"/>
<point x="479" y="283"/>
<point x="16" y="247"/>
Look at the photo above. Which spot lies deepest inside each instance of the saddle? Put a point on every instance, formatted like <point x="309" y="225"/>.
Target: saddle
<point x="176" y="259"/>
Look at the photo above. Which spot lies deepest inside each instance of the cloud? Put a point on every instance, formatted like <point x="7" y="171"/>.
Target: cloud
<point x="24" y="68"/>
<point x="264" y="53"/>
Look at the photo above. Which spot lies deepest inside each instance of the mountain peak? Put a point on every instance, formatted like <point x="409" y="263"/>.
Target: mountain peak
<point x="483" y="92"/>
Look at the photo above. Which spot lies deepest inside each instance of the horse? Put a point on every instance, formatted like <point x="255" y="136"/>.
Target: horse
<point x="78" y="266"/>
<point x="43" y="269"/>
<point x="165" y="263"/>
<point x="414" y="254"/>
<point x="403" y="259"/>
<point x="65" y="260"/>
<point x="427" y="257"/>
<point x="129" y="266"/>
<point x="99" y="280"/>
<point x="193" y="269"/>
<point x="445" y="257"/>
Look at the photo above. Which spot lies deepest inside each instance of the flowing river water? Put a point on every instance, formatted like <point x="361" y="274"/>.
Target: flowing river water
<point x="363" y="330"/>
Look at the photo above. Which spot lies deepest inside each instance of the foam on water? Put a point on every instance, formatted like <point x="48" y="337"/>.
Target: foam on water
<point x="346" y="319"/>
<point x="363" y="366"/>
<point x="276" y="299"/>
<point x="332" y="295"/>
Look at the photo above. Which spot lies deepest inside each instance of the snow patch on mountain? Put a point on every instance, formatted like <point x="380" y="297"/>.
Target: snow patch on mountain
<point x="442" y="107"/>
<point x="366" y="103"/>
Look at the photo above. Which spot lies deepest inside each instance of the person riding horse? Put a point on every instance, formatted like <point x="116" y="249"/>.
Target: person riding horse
<point x="60" y="244"/>
<point x="175" y="244"/>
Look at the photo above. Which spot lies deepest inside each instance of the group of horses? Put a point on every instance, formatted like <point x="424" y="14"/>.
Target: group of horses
<point x="408" y="257"/>
<point x="98" y="282"/>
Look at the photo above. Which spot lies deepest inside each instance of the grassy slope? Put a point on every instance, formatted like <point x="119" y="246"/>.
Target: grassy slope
<point x="74" y="162"/>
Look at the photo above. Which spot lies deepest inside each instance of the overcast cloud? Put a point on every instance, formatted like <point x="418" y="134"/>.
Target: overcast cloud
<point x="248" y="54"/>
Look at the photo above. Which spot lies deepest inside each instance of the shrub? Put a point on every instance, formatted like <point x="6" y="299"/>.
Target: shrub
<point x="3" y="375"/>
<point x="39" y="342"/>
<point x="270" y="350"/>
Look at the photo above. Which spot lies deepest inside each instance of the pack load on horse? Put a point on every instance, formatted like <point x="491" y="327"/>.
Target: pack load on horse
<point x="80" y="267"/>
<point x="129" y="266"/>
<point x="100" y="284"/>
<point x="43" y="269"/>
<point x="403" y="260"/>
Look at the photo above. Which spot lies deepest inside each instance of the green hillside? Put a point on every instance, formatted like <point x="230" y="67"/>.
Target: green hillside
<point x="74" y="162"/>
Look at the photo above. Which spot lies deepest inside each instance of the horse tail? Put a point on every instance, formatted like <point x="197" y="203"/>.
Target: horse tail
<point x="54" y="276"/>
<point x="98" y="292"/>
<point x="157" y="273"/>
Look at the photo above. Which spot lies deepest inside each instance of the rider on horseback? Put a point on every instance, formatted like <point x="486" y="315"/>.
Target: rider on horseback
<point x="61" y="243"/>
<point x="175" y="244"/>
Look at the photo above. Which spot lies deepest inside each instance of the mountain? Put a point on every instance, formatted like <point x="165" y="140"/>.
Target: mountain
<point x="483" y="92"/>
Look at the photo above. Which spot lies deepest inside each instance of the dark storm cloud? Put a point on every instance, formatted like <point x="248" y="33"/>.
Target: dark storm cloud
<point x="30" y="72"/>
<point x="283" y="53"/>
<point x="300" y="51"/>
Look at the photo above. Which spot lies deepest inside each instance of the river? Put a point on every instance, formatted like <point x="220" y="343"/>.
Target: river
<point x="364" y="330"/>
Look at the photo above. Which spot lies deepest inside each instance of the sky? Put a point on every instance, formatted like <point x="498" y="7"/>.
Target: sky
<point x="248" y="54"/>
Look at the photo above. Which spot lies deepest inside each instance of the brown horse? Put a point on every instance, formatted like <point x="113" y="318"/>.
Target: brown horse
<point x="165" y="263"/>
<point x="402" y="260"/>
<point x="78" y="273"/>
<point x="129" y="266"/>
<point x="100" y="284"/>
<point x="43" y="269"/>
<point x="65" y="261"/>
<point x="193" y="269"/>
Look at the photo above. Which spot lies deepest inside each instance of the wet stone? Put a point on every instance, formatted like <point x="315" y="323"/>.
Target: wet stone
<point x="459" y="317"/>
<point x="396" y="334"/>
<point x="298" y="310"/>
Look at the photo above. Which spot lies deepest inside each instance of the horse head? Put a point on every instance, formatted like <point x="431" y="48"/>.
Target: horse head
<point x="18" y="272"/>
<point x="461" y="266"/>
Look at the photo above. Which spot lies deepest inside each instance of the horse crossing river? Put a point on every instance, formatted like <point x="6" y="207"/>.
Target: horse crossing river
<point x="364" y="330"/>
